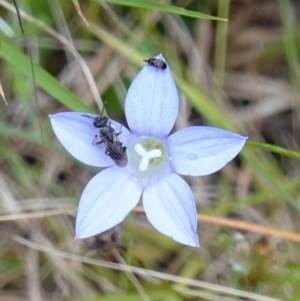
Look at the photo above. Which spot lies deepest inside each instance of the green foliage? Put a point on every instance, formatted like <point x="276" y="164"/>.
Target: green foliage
<point x="155" y="5"/>
<point x="19" y="61"/>
<point x="40" y="184"/>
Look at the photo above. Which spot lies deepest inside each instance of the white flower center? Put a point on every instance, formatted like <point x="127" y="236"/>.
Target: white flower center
<point x="146" y="156"/>
<point x="147" y="159"/>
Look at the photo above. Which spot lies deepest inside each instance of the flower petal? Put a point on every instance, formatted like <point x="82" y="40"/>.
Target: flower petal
<point x="77" y="132"/>
<point x="170" y="207"/>
<point x="105" y="202"/>
<point x="152" y="102"/>
<point x="200" y="150"/>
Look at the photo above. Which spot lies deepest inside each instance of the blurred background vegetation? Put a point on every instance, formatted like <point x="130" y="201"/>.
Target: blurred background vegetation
<point x="241" y="75"/>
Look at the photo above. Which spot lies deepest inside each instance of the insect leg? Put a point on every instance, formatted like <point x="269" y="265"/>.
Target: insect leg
<point x="120" y="132"/>
<point x="95" y="142"/>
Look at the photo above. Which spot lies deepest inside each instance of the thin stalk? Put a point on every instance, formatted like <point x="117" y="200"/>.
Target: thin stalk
<point x="221" y="48"/>
<point x="290" y="49"/>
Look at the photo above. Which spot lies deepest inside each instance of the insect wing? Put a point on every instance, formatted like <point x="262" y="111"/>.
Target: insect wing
<point x="117" y="152"/>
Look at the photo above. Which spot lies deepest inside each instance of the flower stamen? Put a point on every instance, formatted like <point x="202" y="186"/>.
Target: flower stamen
<point x="146" y="156"/>
<point x="144" y="164"/>
<point x="140" y="149"/>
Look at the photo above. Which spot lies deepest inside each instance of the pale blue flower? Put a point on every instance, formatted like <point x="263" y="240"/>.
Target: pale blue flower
<point x="154" y="160"/>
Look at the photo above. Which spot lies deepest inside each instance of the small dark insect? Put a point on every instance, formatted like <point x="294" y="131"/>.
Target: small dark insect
<point x="115" y="149"/>
<point x="108" y="240"/>
<point x="156" y="63"/>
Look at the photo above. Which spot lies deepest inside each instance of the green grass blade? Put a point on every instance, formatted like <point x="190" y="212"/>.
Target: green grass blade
<point x="275" y="149"/>
<point x="163" y="7"/>
<point x="43" y="79"/>
<point x="275" y="184"/>
<point x="158" y="295"/>
<point x="221" y="47"/>
<point x="290" y="48"/>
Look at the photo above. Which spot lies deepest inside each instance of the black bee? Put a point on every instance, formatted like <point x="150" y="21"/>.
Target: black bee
<point x="114" y="148"/>
<point x="156" y="63"/>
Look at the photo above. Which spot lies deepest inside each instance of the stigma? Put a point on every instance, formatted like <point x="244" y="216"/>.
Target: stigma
<point x="146" y="156"/>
